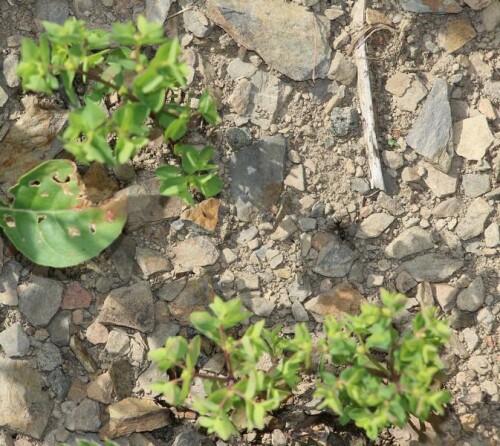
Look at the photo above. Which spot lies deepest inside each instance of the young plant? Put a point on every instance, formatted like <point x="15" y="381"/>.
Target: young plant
<point x="382" y="378"/>
<point x="148" y="93"/>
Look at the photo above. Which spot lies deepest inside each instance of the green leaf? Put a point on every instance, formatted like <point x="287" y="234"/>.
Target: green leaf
<point x="50" y="220"/>
<point x="176" y="129"/>
<point x="223" y="427"/>
<point x="209" y="185"/>
<point x="208" y="109"/>
<point x="123" y="33"/>
<point x="193" y="353"/>
<point x="167" y="171"/>
<point x="205" y="324"/>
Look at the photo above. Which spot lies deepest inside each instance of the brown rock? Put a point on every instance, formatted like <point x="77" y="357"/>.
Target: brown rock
<point x="134" y="415"/>
<point x="82" y="354"/>
<point x="99" y="185"/>
<point x="455" y="33"/>
<point x="204" y="214"/>
<point x="122" y="378"/>
<point x="101" y="389"/>
<point x="76" y="297"/>
<point x="195" y="296"/>
<point x="97" y="333"/>
<point x="77" y="391"/>
<point x="343" y="298"/>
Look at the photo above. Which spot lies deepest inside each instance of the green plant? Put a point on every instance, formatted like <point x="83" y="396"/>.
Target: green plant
<point x="147" y="93"/>
<point x="368" y="372"/>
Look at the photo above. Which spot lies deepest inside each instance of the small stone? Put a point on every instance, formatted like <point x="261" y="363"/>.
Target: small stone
<point x="344" y="120"/>
<point x="307" y="224"/>
<point x="191" y="438"/>
<point x="228" y="256"/>
<point x="76" y="297"/>
<point x="360" y="185"/>
<point x="170" y="290"/>
<point x="151" y="262"/>
<point x="247" y="235"/>
<point x="342" y="69"/>
<point x="285" y="229"/>
<point x="431" y="133"/>
<point x="135" y="415"/>
<point x="82" y="354"/>
<point x="478" y="4"/>
<point x="262" y="307"/>
<point x="492" y="236"/>
<point x="9" y="70"/>
<point x="448" y="208"/>
<point x="59" y="382"/>
<point x="410" y="175"/>
<point x="436" y="7"/>
<point x="85" y="417"/>
<point x="445" y="295"/>
<point x="48" y="357"/>
<point x="236" y="70"/>
<point x="39" y="299"/>
<point x="374" y="280"/>
<point x="196" y="296"/>
<point x="432" y="267"/>
<point x="278" y="438"/>
<point x="476" y="185"/>
<point x="162" y="332"/>
<point x="97" y="333"/>
<point x="475" y="218"/>
<point x="25" y="405"/>
<point x="197" y="23"/>
<point x="409" y="242"/>
<point x="157" y="10"/>
<point x="343" y="298"/>
<point x="455" y="33"/>
<point x="374" y="225"/>
<point x="441" y="184"/>
<point x="413" y="96"/>
<point x="101" y="389"/>
<point x="472" y="137"/>
<point x="472" y="298"/>
<point x="130" y="307"/>
<point x="122" y="253"/>
<point x="194" y="252"/>
<point x="393" y="160"/>
<point x="59" y="328"/>
<point x="118" y="343"/>
<point x="335" y="259"/>
<point x="300" y="290"/>
<point x="299" y="312"/>
<point x="204" y="214"/>
<point x="122" y="377"/>
<point x="491" y="16"/>
<point x="469" y="421"/>
<point x="471" y="339"/>
<point x="405" y="282"/>
<point x="9" y="276"/>
<point x="56" y="11"/>
<point x="479" y="364"/>
<point x="296" y="178"/>
<point x="14" y="341"/>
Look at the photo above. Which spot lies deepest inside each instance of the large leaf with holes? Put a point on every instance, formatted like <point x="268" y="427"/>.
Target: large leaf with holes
<point x="51" y="221"/>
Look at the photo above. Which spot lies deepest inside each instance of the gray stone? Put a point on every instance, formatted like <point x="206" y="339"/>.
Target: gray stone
<point x="192" y="438"/>
<point x="82" y="355"/>
<point x="25" y="406"/>
<point x="472" y="298"/>
<point x="431" y="133"/>
<point x="170" y="290"/>
<point x="344" y="120"/>
<point x="84" y="417"/>
<point x="409" y="242"/>
<point x="296" y="178"/>
<point x="299" y="312"/>
<point x="436" y="7"/>
<point x="157" y="10"/>
<point x="4" y="97"/>
<point x="472" y="137"/>
<point x="48" y="357"/>
<point x="476" y="185"/>
<point x="405" y="282"/>
<point x="39" y="299"/>
<point x="480" y="364"/>
<point x="247" y="235"/>
<point x="14" y="341"/>
<point x="236" y="137"/>
<point x="150" y="376"/>
<point x="56" y="11"/>
<point x="445" y="295"/>
<point x="262" y="307"/>
<point x="374" y="225"/>
<point x="335" y="259"/>
<point x="475" y="218"/>
<point x="197" y="23"/>
<point x="451" y="207"/>
<point x="300" y="290"/>
<point x="273" y="29"/>
<point x="285" y="229"/>
<point x="59" y="328"/>
<point x="195" y="296"/>
<point x="471" y="339"/>
<point x="129" y="307"/>
<point x="342" y="69"/>
<point x="360" y="185"/>
<point x="122" y="254"/>
<point x="151" y="262"/>
<point x="162" y="332"/>
<point x="307" y="224"/>
<point x="9" y="70"/>
<point x="432" y="267"/>
<point x="257" y="172"/>
<point x="194" y="252"/>
<point x="238" y="69"/>
<point x="441" y="184"/>
<point x="121" y="373"/>
<point x="59" y="382"/>
<point x="118" y="343"/>
<point x="8" y="283"/>
<point x="492" y="236"/>
<point x="491" y="16"/>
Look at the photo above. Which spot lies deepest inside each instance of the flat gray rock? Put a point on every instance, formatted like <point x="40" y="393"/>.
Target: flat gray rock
<point x="426" y="6"/>
<point x="194" y="252"/>
<point x="129" y="307"/>
<point x="151" y="262"/>
<point x="476" y="185"/>
<point x="432" y="267"/>
<point x="48" y="357"/>
<point x="195" y="296"/>
<point x="409" y="242"/>
<point x="122" y="253"/>
<point x="374" y="225"/>
<point x="291" y="39"/>
<point x="8" y="283"/>
<point x="192" y="438"/>
<point x="335" y="259"/>
<point x="157" y="10"/>
<point x="15" y="341"/>
<point x="56" y="11"/>
<point x="475" y="218"/>
<point x="39" y="299"/>
<point x="84" y="417"/>
<point x="257" y="172"/>
<point x="448" y="208"/>
<point x="472" y="298"/>
<point x="431" y="133"/>
<point x="441" y="184"/>
<point x="25" y="406"/>
<point x="59" y="328"/>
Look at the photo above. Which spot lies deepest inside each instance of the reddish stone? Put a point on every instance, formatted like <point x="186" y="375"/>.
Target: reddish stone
<point x="76" y="297"/>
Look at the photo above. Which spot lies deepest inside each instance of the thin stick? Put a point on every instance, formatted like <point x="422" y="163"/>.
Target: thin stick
<point x="366" y="101"/>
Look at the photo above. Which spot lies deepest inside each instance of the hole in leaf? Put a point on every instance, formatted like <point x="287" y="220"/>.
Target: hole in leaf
<point x="61" y="181"/>
<point x="92" y="228"/>
<point x="34" y="183"/>
<point x="40" y="218"/>
<point x="73" y="232"/>
<point x="44" y="194"/>
<point x="9" y="220"/>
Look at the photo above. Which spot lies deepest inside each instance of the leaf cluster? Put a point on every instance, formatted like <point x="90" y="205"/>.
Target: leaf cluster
<point x="368" y="373"/>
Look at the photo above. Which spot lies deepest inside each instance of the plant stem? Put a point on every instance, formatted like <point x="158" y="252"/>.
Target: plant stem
<point x="230" y="373"/>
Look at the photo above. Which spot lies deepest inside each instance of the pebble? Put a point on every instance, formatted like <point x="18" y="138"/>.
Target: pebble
<point x="455" y="33"/>
<point x="307" y="224"/>
<point x="285" y="229"/>
<point x="342" y="69"/>
<point x="472" y="137"/>
<point x="14" y="341"/>
<point x="101" y="389"/>
<point x="492" y="235"/>
<point x="405" y="282"/>
<point x="262" y="307"/>
<point x="195" y="296"/>
<point x="471" y="339"/>
<point x="39" y="299"/>
<point x="296" y="178"/>
<point x="432" y="267"/>
<point x="118" y="343"/>
<point x="472" y="298"/>
<point x="48" y="357"/>
<point x="194" y="252"/>
<point x="410" y="241"/>
<point x="448" y="208"/>
<point x="4" y="97"/>
<point x="60" y="328"/>
<point x="441" y="184"/>
<point x="247" y="235"/>
<point x="56" y="11"/>
<point x="479" y="364"/>
<point x="9" y="70"/>
<point x="374" y="225"/>
<point x="97" y="333"/>
<point x="197" y="23"/>
<point x="151" y="262"/>
<point x="475" y="185"/>
<point x="335" y="259"/>
<point x="344" y="120"/>
<point x="84" y="417"/>
<point x="299" y="312"/>
<point x="445" y="295"/>
<point x="157" y="10"/>
<point x="75" y="297"/>
<point x="474" y="221"/>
